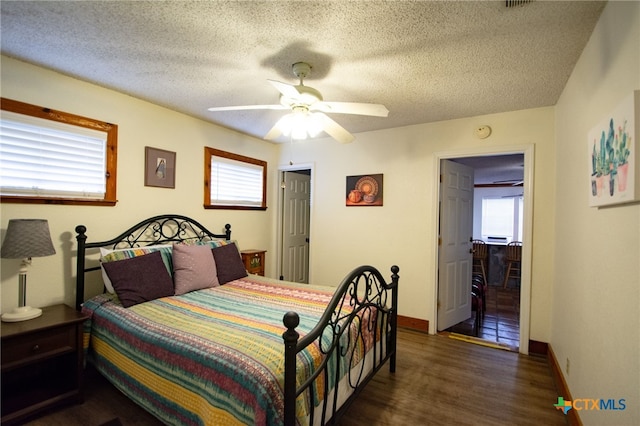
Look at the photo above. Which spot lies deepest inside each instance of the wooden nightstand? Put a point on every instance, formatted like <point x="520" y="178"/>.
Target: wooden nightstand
<point x="254" y="261"/>
<point x="42" y="362"/>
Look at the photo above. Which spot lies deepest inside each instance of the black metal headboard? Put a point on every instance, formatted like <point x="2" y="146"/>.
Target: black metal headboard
<point x="161" y="229"/>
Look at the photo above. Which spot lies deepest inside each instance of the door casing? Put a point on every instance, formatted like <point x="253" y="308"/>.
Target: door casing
<point x="525" y="280"/>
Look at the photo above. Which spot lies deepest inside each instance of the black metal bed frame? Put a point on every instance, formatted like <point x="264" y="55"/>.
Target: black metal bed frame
<point x="160" y="229"/>
<point x="363" y="298"/>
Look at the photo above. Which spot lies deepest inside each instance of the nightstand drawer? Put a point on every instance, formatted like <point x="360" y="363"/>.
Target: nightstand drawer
<point x="22" y="349"/>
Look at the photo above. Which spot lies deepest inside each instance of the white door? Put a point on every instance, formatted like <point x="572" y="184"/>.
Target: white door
<point x="456" y="231"/>
<point x="295" y="227"/>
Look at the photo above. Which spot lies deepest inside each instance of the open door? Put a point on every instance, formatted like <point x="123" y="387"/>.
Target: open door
<point x="455" y="256"/>
<point x="296" y="187"/>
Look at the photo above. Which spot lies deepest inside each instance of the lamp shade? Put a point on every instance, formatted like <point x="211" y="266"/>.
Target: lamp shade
<point x="27" y="238"/>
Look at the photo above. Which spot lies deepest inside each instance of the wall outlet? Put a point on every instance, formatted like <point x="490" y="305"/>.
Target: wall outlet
<point x="567" y="367"/>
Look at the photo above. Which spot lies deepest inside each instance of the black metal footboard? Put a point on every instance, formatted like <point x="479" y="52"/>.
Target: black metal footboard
<point x="363" y="311"/>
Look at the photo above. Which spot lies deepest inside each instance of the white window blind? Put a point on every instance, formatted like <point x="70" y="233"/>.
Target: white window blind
<point x="498" y="218"/>
<point x="235" y="183"/>
<point x="503" y="218"/>
<point x="46" y="158"/>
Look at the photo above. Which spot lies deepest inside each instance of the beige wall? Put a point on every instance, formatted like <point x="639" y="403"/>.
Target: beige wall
<point x="140" y="124"/>
<point x="400" y="232"/>
<point x="596" y="297"/>
<point x="403" y="231"/>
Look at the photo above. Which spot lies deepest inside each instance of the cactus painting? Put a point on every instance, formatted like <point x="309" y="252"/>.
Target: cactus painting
<point x="613" y="156"/>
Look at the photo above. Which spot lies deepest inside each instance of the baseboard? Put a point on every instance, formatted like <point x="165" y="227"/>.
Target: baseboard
<point x="538" y="348"/>
<point x="573" y="419"/>
<point x="413" y="323"/>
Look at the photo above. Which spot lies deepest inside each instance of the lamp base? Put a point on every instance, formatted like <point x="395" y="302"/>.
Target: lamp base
<point x="22" y="313"/>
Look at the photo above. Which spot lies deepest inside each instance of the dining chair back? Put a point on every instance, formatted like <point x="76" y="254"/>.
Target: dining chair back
<point x="480" y="256"/>
<point x="514" y="262"/>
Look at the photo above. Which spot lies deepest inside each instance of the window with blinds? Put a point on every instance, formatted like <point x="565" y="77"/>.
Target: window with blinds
<point x="234" y="181"/>
<point x="48" y="156"/>
<point x="502" y="217"/>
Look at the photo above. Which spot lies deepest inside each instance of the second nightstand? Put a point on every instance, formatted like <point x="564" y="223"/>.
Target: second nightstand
<point x="254" y="261"/>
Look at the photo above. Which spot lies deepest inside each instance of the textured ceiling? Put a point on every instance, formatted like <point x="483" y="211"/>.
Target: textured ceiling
<point x="425" y="61"/>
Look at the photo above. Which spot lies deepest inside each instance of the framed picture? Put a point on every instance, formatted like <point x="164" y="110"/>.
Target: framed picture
<point x="364" y="190"/>
<point x="614" y="155"/>
<point x="159" y="168"/>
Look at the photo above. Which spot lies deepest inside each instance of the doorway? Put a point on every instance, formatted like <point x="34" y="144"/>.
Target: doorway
<point x="294" y="224"/>
<point x="525" y="187"/>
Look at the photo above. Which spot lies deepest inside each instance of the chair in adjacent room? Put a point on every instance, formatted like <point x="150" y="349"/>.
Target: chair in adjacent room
<point x="480" y="256"/>
<point x="481" y="289"/>
<point x="513" y="259"/>
<point x="477" y="306"/>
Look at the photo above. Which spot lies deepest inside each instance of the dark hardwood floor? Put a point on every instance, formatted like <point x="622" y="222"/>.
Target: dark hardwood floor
<point x="501" y="322"/>
<point x="438" y="381"/>
<point x="443" y="381"/>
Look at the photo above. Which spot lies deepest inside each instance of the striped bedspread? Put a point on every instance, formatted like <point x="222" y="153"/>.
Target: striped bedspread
<point x="212" y="356"/>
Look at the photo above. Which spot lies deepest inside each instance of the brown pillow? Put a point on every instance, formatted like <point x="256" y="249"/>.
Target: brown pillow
<point x="193" y="268"/>
<point x="228" y="263"/>
<point x="140" y="279"/>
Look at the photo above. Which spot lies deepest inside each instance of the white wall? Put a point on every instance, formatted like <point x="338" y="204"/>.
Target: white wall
<point x="403" y="230"/>
<point x="140" y="124"/>
<point x="596" y="298"/>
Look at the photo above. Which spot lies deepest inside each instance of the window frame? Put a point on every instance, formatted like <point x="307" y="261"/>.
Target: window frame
<point x="213" y="152"/>
<point x="111" y="153"/>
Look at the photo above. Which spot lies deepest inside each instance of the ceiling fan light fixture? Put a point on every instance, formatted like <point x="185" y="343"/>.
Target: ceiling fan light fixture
<point x="298" y="133"/>
<point x="301" y="124"/>
<point x="294" y="125"/>
<point x="314" y="124"/>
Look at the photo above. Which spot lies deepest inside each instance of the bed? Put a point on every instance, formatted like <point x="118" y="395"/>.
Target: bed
<point x="243" y="350"/>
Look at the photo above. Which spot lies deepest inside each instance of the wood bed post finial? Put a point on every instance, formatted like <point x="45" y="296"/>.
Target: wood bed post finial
<point x="290" y="320"/>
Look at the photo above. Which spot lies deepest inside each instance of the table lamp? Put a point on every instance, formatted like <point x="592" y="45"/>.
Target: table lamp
<point x="26" y="238"/>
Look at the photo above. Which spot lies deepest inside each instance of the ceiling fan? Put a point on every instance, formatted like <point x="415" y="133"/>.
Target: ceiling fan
<point x="512" y="182"/>
<point x="308" y="108"/>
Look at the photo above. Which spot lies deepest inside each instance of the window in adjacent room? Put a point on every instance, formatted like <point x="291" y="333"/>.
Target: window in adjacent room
<point x="234" y="181"/>
<point x="502" y="218"/>
<point x="52" y="157"/>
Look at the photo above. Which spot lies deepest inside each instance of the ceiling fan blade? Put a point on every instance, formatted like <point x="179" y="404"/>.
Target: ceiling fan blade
<point x="287" y="90"/>
<point x="376" y="110"/>
<point x="246" y="107"/>
<point x="276" y="130"/>
<point x="334" y="130"/>
<point x="513" y="182"/>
